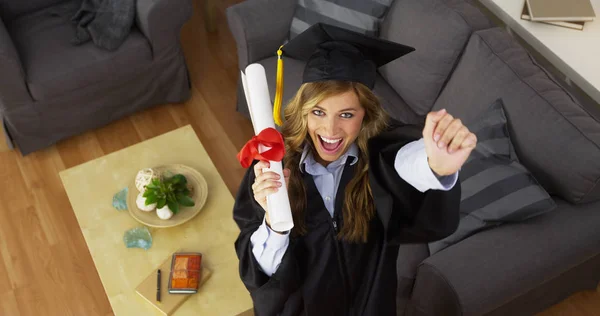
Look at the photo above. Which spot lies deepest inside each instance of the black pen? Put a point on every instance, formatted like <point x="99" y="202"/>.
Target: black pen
<point x="158" y="286"/>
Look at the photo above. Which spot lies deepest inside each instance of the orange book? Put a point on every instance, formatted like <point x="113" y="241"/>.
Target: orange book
<point x="169" y="302"/>
<point x="186" y="272"/>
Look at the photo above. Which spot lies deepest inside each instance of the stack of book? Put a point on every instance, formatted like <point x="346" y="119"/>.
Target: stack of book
<point x="566" y="13"/>
<point x="182" y="277"/>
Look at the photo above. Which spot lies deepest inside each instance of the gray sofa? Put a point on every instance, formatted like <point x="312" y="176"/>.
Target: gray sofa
<point x="462" y="62"/>
<point x="51" y="89"/>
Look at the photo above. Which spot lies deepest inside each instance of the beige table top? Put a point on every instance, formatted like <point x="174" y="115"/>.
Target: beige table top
<point x="574" y="52"/>
<point x="91" y="186"/>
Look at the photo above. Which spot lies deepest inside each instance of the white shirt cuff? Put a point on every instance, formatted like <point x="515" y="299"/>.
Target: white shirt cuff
<point x="412" y="166"/>
<point x="268" y="247"/>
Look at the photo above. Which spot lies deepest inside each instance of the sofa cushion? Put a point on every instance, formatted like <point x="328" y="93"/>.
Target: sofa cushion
<point x="10" y="9"/>
<point x="363" y="16"/>
<point x="554" y="136"/>
<point x="293" y="70"/>
<point x="514" y="269"/>
<point x="53" y="66"/>
<point x="495" y="187"/>
<point x="438" y="30"/>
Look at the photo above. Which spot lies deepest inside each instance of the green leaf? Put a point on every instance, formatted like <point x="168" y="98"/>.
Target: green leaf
<point x="151" y="199"/>
<point x="151" y="185"/>
<point x="150" y="194"/>
<point x="185" y="200"/>
<point x="180" y="179"/>
<point x="173" y="206"/>
<point x="161" y="203"/>
<point x="175" y="179"/>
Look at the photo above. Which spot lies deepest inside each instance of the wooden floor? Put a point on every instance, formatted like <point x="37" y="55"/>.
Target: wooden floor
<point x="46" y="268"/>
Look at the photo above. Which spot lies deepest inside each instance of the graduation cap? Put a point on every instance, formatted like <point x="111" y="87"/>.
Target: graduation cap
<point x="334" y="53"/>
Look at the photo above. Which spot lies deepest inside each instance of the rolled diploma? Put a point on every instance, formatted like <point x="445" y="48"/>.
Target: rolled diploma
<point x="261" y="113"/>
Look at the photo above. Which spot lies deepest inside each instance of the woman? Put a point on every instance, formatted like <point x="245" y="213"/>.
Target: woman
<point x="359" y="185"/>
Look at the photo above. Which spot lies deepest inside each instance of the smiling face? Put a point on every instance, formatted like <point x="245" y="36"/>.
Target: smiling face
<point x="334" y="124"/>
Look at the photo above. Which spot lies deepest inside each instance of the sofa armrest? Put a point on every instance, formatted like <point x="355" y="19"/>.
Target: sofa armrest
<point x="13" y="90"/>
<point x="161" y="22"/>
<point x="519" y="268"/>
<point x="259" y="27"/>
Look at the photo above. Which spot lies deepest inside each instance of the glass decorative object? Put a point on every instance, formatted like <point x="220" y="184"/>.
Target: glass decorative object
<point x="120" y="200"/>
<point x="138" y="237"/>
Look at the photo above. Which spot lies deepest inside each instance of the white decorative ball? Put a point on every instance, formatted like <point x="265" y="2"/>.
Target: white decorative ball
<point x="144" y="177"/>
<point x="191" y="188"/>
<point x="164" y="212"/>
<point x="141" y="204"/>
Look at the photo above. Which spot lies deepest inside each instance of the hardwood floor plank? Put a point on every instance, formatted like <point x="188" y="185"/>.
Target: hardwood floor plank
<point x="32" y="301"/>
<point x="13" y="252"/>
<point x="13" y="192"/>
<point x="153" y="122"/>
<point x="83" y="283"/>
<point x="40" y="172"/>
<point x="30" y="231"/>
<point x="9" y="304"/>
<point x="117" y="135"/>
<point x="69" y="263"/>
<point x="3" y="143"/>
<point x="218" y="145"/>
<point x="49" y="279"/>
<point x="5" y="283"/>
<point x="582" y="303"/>
<point x="78" y="149"/>
<point x="180" y="115"/>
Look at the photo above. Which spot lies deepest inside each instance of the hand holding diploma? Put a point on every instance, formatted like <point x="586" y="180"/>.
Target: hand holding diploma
<point x="266" y="183"/>
<point x="268" y="147"/>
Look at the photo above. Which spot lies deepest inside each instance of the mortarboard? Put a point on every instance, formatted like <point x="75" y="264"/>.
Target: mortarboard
<point x="334" y="53"/>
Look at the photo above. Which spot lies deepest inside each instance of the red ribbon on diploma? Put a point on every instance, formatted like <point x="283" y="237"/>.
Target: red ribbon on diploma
<point x="269" y="137"/>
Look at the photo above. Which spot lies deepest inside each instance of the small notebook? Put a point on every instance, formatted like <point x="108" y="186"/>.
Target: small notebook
<point x="169" y="302"/>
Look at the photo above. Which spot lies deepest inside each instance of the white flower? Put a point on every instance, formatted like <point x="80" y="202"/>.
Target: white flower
<point x="141" y="204"/>
<point x="164" y="212"/>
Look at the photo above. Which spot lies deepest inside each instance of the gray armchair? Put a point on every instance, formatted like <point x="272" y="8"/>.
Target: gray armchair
<point x="258" y="32"/>
<point x="51" y="89"/>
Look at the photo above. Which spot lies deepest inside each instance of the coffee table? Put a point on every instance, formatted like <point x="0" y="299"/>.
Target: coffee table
<point x="91" y="186"/>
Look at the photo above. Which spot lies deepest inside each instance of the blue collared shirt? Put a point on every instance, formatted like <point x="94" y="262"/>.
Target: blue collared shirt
<point x="411" y="164"/>
<point x="327" y="179"/>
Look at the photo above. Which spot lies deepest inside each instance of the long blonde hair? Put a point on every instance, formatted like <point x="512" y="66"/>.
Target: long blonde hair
<point x="358" y="207"/>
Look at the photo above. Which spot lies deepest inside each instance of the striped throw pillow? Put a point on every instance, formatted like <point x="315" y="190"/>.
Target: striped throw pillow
<point x="363" y="16"/>
<point x="495" y="187"/>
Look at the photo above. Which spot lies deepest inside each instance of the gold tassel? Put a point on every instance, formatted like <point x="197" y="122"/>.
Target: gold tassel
<point x="278" y="89"/>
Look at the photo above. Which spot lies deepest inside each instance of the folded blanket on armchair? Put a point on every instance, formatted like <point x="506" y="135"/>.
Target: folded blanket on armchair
<point x="105" y="22"/>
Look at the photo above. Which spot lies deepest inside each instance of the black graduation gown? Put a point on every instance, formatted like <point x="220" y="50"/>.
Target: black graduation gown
<point x="320" y="275"/>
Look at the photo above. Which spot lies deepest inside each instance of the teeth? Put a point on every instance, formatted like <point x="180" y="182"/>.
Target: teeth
<point x="329" y="140"/>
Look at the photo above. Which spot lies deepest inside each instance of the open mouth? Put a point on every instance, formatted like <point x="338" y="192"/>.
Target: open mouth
<point x="330" y="145"/>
